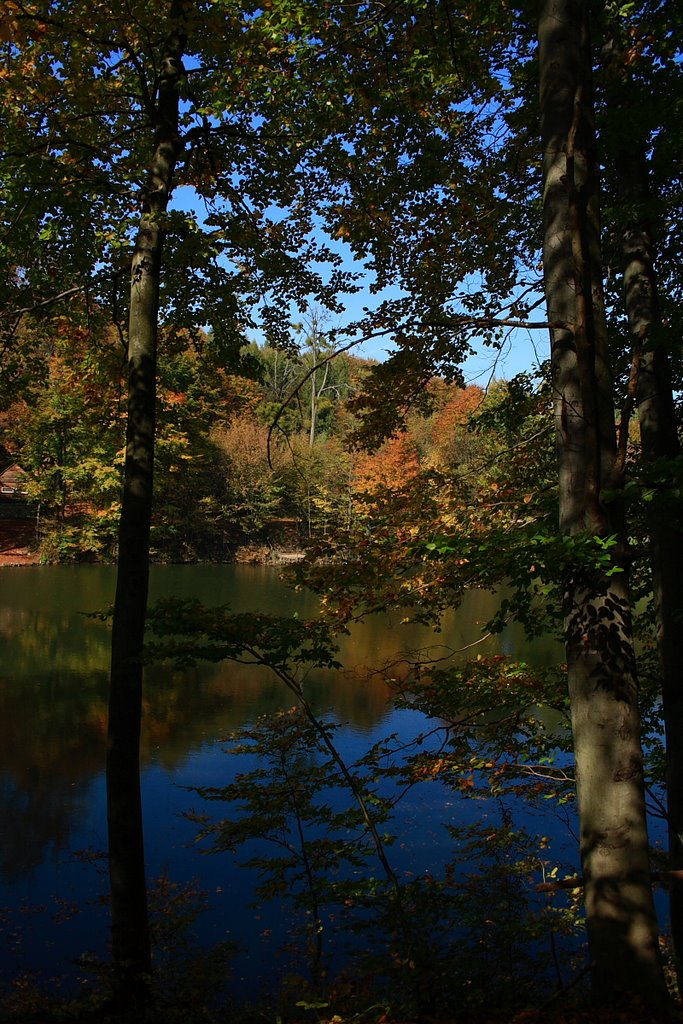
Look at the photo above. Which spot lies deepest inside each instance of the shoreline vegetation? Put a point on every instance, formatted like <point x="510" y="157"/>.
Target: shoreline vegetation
<point x="19" y="547"/>
<point x="18" y="551"/>
<point x="17" y="544"/>
<point x="240" y="491"/>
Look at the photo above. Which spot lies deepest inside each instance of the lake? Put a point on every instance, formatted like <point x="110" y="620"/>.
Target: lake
<point x="53" y="700"/>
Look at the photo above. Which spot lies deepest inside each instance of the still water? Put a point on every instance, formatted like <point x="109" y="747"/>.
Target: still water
<point x="53" y="698"/>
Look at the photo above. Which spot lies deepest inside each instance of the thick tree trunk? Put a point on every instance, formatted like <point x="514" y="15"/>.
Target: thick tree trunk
<point x="130" y="927"/>
<point x="621" y="922"/>
<point x="659" y="442"/>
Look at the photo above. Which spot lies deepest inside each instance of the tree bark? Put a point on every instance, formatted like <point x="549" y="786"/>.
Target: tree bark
<point x="620" y="916"/>
<point x="659" y="442"/>
<point x="130" y="927"/>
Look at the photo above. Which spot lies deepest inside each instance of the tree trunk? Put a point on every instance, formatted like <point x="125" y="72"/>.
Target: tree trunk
<point x="314" y="402"/>
<point x="130" y="928"/>
<point x="620" y="916"/>
<point x="659" y="441"/>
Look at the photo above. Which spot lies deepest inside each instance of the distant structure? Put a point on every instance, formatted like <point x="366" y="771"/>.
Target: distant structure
<point x="14" y="500"/>
<point x="14" y="481"/>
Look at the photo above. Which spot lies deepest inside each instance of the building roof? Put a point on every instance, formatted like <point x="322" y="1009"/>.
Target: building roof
<point x="14" y="477"/>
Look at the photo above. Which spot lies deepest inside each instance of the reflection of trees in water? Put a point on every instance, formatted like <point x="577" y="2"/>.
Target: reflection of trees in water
<point x="184" y="710"/>
<point x="13" y="620"/>
<point x="53" y="695"/>
<point x="38" y="640"/>
<point x="41" y="810"/>
<point x="53" y="728"/>
<point x="51" y="738"/>
<point x="53" y="722"/>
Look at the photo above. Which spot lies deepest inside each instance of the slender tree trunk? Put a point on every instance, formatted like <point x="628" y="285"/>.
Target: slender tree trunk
<point x="130" y="927"/>
<point x="314" y="402"/>
<point x="659" y="442"/>
<point x="621" y="921"/>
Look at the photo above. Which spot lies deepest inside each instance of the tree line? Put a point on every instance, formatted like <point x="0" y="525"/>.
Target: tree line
<point x="245" y="463"/>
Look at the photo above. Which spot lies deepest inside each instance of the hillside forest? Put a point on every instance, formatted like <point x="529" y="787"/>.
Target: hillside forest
<point x="205" y="208"/>
<point x="246" y="466"/>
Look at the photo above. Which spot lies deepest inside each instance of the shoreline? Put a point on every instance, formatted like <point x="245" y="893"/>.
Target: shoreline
<point x="15" y="557"/>
<point x="16" y="543"/>
<point x="19" y="547"/>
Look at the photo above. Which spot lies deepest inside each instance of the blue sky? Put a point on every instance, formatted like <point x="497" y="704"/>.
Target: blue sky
<point x="519" y="350"/>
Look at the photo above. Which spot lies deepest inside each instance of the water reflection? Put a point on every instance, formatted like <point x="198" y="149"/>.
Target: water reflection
<point x="53" y="700"/>
<point x="53" y="687"/>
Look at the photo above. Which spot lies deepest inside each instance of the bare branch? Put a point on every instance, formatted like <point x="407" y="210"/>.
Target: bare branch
<point x="19" y="313"/>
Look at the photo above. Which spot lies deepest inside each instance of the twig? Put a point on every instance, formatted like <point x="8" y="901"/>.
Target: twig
<point x="577" y="881"/>
<point x="19" y="313"/>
